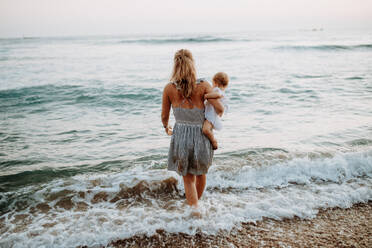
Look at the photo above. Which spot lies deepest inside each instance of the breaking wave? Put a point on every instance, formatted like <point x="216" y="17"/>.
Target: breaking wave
<point x="97" y="209"/>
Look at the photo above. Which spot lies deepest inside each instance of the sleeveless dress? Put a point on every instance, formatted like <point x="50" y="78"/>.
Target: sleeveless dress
<point x="190" y="150"/>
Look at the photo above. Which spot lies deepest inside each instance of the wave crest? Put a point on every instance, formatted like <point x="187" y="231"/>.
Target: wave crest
<point x="325" y="47"/>
<point x="167" y="40"/>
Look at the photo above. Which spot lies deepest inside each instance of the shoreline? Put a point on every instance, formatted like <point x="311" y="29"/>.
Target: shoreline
<point x="333" y="227"/>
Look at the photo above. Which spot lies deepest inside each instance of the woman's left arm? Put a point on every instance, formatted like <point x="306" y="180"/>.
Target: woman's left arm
<point x="165" y="110"/>
<point x="218" y="107"/>
<point x="212" y="95"/>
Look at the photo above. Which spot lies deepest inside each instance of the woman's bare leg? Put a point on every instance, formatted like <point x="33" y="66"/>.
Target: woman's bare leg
<point x="207" y="131"/>
<point x="200" y="184"/>
<point x="189" y="182"/>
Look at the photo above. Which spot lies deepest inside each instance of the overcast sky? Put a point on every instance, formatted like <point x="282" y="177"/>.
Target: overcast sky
<point x="93" y="17"/>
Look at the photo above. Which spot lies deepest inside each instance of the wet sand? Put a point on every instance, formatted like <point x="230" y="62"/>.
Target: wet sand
<point x="335" y="227"/>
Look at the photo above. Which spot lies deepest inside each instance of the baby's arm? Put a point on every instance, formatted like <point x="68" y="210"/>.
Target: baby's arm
<point x="213" y="95"/>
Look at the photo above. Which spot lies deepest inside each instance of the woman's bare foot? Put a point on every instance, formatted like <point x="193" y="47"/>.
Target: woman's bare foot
<point x="214" y="144"/>
<point x="196" y="214"/>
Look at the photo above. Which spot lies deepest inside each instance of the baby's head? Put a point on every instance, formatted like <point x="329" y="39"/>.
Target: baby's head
<point x="220" y="80"/>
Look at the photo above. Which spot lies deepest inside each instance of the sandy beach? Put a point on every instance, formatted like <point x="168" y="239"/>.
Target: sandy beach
<point x="335" y="227"/>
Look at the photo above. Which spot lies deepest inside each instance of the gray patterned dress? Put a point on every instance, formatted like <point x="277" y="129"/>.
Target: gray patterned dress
<point x="190" y="150"/>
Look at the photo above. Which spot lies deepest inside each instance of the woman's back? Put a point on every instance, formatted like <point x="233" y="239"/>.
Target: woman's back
<point x="196" y="99"/>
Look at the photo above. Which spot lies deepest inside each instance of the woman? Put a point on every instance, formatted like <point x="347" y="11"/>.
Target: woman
<point x="190" y="152"/>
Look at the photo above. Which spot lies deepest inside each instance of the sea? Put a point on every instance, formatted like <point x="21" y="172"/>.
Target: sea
<point x="83" y="153"/>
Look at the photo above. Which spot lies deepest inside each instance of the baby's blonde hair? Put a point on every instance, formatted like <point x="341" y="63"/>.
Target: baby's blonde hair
<point x="221" y="79"/>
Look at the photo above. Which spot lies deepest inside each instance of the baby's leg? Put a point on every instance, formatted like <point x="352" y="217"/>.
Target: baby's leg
<point x="207" y="131"/>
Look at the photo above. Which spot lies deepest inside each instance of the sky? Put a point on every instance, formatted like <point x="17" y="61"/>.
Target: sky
<point x="115" y="17"/>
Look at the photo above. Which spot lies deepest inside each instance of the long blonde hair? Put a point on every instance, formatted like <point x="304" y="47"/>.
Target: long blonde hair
<point x="184" y="73"/>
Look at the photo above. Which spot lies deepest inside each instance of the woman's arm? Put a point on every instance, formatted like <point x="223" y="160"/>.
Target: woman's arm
<point x="218" y="107"/>
<point x="165" y="109"/>
<point x="212" y="95"/>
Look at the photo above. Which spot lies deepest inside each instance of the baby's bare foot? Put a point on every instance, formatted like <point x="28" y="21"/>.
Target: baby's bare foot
<point x="214" y="145"/>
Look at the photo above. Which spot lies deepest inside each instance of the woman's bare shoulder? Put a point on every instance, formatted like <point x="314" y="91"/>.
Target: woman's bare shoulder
<point x="203" y="85"/>
<point x="168" y="87"/>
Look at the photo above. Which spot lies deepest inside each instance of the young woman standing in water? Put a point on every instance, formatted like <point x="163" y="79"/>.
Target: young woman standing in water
<point x="190" y="152"/>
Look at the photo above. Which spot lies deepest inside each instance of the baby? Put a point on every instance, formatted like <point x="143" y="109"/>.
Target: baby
<point x="212" y="120"/>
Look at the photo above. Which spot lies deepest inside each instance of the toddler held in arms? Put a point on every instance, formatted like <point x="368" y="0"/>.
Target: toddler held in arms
<point x="212" y="120"/>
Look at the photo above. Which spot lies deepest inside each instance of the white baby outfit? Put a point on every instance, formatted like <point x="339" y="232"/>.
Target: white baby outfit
<point x="210" y="113"/>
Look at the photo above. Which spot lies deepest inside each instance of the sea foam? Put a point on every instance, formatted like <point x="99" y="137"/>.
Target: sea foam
<point x="96" y="209"/>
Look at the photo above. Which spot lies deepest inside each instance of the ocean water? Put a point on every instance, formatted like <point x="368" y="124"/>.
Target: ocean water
<point x="83" y="154"/>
